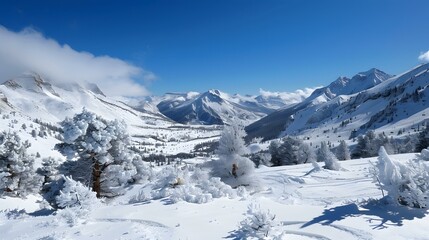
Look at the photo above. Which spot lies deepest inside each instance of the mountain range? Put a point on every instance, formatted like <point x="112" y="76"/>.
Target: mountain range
<point x="369" y="100"/>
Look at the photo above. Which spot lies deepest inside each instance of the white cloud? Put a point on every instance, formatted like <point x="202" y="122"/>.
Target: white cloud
<point x="29" y="50"/>
<point x="424" y="57"/>
<point x="290" y="97"/>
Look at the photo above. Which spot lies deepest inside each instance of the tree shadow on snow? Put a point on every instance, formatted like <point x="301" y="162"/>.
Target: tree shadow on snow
<point x="42" y="212"/>
<point x="377" y="212"/>
<point x="236" y="235"/>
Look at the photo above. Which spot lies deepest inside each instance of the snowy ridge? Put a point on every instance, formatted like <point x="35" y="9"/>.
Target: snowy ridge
<point x="397" y="103"/>
<point x="351" y="104"/>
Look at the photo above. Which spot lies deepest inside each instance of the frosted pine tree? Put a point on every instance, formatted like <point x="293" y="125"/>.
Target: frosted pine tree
<point x="423" y="139"/>
<point x="273" y="148"/>
<point x="343" y="152"/>
<point x="290" y="151"/>
<point x="98" y="153"/>
<point x="232" y="167"/>
<point x="76" y="201"/>
<point x="331" y="162"/>
<point x="17" y="173"/>
<point x="259" y="224"/>
<point x="405" y="184"/>
<point x="48" y="170"/>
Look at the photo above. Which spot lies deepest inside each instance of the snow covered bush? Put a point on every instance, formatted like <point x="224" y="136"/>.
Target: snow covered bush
<point x="405" y="184"/>
<point x="324" y="154"/>
<point x="424" y="155"/>
<point x="232" y="167"/>
<point x="98" y="154"/>
<point x="259" y="224"/>
<point x="189" y="184"/>
<point x="76" y="201"/>
<point x="17" y="174"/>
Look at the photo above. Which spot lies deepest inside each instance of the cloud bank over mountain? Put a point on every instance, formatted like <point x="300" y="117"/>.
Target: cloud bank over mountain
<point x="291" y="97"/>
<point x="424" y="57"/>
<point x="29" y="50"/>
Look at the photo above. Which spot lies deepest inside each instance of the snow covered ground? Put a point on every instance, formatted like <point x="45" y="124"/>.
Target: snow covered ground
<point x="307" y="205"/>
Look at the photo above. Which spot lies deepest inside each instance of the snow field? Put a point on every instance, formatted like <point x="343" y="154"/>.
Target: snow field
<point x="307" y="205"/>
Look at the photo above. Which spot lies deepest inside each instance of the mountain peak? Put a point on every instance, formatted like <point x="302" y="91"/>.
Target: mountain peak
<point x="361" y="81"/>
<point x="214" y="92"/>
<point x="371" y="71"/>
<point x="94" y="88"/>
<point x="30" y="81"/>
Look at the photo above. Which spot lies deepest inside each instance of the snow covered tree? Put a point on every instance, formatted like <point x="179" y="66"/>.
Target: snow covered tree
<point x="273" y="148"/>
<point x="369" y="144"/>
<point x="34" y="133"/>
<point x="259" y="224"/>
<point x="232" y="167"/>
<point x="305" y="153"/>
<point x="290" y="151"/>
<point x="76" y="201"/>
<point x="52" y="180"/>
<point x="261" y="158"/>
<point x="98" y="153"/>
<point x="423" y="140"/>
<point x="324" y="154"/>
<point x="364" y="147"/>
<point x="17" y="174"/>
<point x="405" y="184"/>
<point x="49" y="169"/>
<point x="232" y="141"/>
<point x="75" y="194"/>
<point x="342" y="151"/>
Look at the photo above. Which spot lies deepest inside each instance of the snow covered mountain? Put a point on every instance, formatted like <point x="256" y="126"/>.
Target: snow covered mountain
<point x="30" y="97"/>
<point x="285" y="119"/>
<point x="37" y="97"/>
<point x="216" y="107"/>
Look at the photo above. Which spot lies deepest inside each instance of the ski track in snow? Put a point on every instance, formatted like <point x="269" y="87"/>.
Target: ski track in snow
<point x="141" y="221"/>
<point x="355" y="233"/>
<point x="359" y="234"/>
<point x="310" y="235"/>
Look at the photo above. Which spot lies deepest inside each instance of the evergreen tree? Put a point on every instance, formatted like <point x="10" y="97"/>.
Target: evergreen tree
<point x="331" y="162"/>
<point x="48" y="170"/>
<point x="343" y="152"/>
<point x="275" y="155"/>
<point x="290" y="151"/>
<point x="305" y="153"/>
<point x="423" y="140"/>
<point x="232" y="141"/>
<point x="369" y="145"/>
<point x="98" y="153"/>
<point x="232" y="167"/>
<point x="405" y="184"/>
<point x="17" y="174"/>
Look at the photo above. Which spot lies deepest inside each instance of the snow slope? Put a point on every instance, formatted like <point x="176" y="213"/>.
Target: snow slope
<point x="370" y="100"/>
<point x="307" y="205"/>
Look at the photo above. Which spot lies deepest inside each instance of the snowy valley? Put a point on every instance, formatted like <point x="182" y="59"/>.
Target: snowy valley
<point x="214" y="165"/>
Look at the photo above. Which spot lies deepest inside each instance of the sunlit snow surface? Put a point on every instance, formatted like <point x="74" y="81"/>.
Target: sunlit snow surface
<point x="307" y="204"/>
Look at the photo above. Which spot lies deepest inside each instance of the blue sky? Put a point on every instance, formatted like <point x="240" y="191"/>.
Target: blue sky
<point x="237" y="46"/>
